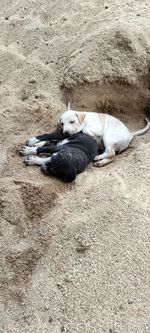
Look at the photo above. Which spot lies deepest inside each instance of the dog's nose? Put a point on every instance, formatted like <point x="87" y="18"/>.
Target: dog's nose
<point x="66" y="133"/>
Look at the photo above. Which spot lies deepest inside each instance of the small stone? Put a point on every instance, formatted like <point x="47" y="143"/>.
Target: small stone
<point x="82" y="248"/>
<point x="32" y="80"/>
<point x="50" y="319"/>
<point x="121" y="308"/>
<point x="62" y="329"/>
<point x="130" y="301"/>
<point x="46" y="307"/>
<point x="24" y="95"/>
<point x="6" y="18"/>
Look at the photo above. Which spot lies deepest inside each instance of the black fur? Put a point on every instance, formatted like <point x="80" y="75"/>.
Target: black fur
<point x="54" y="136"/>
<point x="71" y="158"/>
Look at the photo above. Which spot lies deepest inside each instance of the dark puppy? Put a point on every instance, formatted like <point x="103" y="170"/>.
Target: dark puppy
<point x="68" y="159"/>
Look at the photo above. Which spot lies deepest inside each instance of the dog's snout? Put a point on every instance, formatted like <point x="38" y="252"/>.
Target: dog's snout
<point x="66" y="133"/>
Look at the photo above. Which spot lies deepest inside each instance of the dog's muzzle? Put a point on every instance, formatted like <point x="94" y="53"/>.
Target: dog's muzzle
<point x="66" y="133"/>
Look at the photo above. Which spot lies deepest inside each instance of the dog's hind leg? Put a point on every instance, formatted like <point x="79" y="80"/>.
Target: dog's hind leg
<point x="108" y="154"/>
<point x="48" y="149"/>
<point x="31" y="160"/>
<point x="26" y="150"/>
<point x="103" y="162"/>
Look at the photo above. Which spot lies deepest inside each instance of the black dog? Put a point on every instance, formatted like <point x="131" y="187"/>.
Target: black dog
<point x="68" y="159"/>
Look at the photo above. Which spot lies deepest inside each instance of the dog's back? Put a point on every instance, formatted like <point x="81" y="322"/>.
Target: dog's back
<point x="85" y="143"/>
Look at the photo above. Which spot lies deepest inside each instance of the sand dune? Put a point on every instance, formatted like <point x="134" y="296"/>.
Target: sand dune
<point x="74" y="258"/>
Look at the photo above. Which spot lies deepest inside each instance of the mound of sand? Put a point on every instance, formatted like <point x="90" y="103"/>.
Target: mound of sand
<point x="74" y="258"/>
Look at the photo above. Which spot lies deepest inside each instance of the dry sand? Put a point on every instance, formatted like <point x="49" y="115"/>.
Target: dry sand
<point x="74" y="258"/>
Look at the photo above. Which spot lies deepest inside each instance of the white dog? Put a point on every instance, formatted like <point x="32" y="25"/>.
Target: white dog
<point x="103" y="127"/>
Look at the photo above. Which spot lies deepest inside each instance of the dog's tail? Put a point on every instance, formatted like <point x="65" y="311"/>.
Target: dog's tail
<point x="143" y="130"/>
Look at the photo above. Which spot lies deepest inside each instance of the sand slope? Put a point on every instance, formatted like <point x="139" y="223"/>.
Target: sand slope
<point x="74" y="258"/>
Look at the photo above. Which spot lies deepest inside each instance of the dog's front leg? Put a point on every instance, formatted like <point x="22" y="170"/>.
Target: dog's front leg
<point x="87" y="131"/>
<point x="57" y="135"/>
<point x="40" y="144"/>
<point x="32" y="141"/>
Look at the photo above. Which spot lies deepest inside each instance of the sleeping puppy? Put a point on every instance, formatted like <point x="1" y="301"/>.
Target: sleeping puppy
<point x="115" y="135"/>
<point x="69" y="158"/>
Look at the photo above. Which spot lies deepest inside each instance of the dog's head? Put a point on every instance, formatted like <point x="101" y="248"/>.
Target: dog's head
<point x="72" y="122"/>
<point x="60" y="168"/>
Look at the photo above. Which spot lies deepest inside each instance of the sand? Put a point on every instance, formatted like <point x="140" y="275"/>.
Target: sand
<point x="74" y="257"/>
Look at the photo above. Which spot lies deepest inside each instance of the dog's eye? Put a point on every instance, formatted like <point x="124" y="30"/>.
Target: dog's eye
<point x="61" y="123"/>
<point x="72" y="121"/>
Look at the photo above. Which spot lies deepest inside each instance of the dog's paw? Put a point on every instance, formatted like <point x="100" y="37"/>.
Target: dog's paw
<point x="103" y="162"/>
<point x="97" y="164"/>
<point x="32" y="141"/>
<point x="21" y="150"/>
<point x="97" y="158"/>
<point x="25" y="150"/>
<point x="29" y="160"/>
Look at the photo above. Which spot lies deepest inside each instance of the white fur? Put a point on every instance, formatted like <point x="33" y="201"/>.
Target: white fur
<point x="25" y="150"/>
<point x="112" y="131"/>
<point x="32" y="141"/>
<point x="31" y="160"/>
<point x="63" y="142"/>
<point x="40" y="144"/>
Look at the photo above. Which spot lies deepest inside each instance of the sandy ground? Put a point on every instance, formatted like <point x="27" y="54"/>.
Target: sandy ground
<point x="74" y="258"/>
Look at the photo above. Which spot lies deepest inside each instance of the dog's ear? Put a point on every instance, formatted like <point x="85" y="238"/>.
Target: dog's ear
<point x="59" y="124"/>
<point x="80" y="117"/>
